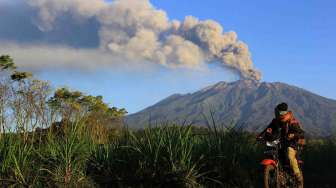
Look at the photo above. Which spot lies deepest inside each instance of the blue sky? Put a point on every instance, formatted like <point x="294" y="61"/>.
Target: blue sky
<point x="290" y="41"/>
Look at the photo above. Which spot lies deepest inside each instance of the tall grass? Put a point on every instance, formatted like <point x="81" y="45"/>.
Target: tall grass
<point x="19" y="164"/>
<point x="167" y="156"/>
<point x="64" y="159"/>
<point x="156" y="157"/>
<point x="232" y="158"/>
<point x="320" y="164"/>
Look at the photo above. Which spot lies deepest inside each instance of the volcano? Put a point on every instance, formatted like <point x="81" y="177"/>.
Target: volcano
<point x="244" y="103"/>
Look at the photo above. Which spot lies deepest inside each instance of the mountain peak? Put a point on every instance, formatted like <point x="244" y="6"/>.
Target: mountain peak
<point x="243" y="102"/>
<point x="239" y="83"/>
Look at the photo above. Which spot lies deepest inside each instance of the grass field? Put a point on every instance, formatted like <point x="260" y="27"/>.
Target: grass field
<point x="169" y="156"/>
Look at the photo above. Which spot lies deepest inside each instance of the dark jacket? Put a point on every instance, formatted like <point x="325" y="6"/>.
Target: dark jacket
<point x="281" y="128"/>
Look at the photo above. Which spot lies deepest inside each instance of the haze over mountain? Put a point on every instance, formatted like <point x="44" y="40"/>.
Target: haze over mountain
<point x="244" y="103"/>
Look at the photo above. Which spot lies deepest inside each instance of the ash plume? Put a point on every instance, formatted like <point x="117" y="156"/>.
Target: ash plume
<point x="137" y="31"/>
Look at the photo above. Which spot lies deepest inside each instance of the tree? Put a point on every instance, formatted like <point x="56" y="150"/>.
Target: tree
<point x="27" y="103"/>
<point x="99" y="118"/>
<point x="20" y="76"/>
<point x="7" y="63"/>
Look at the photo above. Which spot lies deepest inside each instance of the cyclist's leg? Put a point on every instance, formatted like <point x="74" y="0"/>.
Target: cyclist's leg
<point x="291" y="153"/>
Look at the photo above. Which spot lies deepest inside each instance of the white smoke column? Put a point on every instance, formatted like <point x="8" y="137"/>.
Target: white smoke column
<point x="139" y="32"/>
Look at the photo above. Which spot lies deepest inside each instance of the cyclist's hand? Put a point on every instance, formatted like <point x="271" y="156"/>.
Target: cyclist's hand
<point x="290" y="136"/>
<point x="302" y="142"/>
<point x="259" y="138"/>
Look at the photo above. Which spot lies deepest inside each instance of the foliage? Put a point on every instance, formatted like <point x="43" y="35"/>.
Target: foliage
<point x="6" y="62"/>
<point x="96" y="115"/>
<point x="169" y="156"/>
